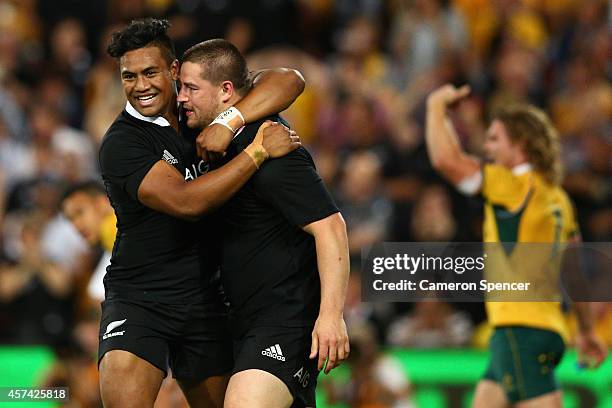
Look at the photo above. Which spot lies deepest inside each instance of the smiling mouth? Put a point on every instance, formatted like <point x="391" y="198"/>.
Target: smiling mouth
<point x="146" y="99"/>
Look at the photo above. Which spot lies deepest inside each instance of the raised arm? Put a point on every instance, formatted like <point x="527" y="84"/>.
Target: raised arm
<point x="272" y="92"/>
<point x="445" y="152"/>
<point x="329" y="337"/>
<point x="164" y="189"/>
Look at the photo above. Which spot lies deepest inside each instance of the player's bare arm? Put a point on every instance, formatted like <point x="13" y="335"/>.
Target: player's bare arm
<point x="591" y="351"/>
<point x="443" y="146"/>
<point x="329" y="336"/>
<point x="164" y="189"/>
<point x="273" y="91"/>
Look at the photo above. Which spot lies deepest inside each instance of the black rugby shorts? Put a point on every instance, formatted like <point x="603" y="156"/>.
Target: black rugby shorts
<point x="283" y="352"/>
<point x="193" y="340"/>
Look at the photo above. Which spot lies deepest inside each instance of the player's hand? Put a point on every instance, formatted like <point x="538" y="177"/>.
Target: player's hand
<point x="212" y="142"/>
<point x="591" y="351"/>
<point x="447" y="95"/>
<point x="277" y="139"/>
<point x="330" y="342"/>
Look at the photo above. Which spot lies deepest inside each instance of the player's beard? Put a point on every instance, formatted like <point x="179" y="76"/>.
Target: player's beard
<point x="211" y="115"/>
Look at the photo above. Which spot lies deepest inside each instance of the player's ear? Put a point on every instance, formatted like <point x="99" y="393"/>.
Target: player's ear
<point x="227" y="91"/>
<point x="174" y="70"/>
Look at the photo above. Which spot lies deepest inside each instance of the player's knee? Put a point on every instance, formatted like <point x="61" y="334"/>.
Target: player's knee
<point x="125" y="395"/>
<point x="115" y="396"/>
<point x="241" y="401"/>
<point x="205" y="394"/>
<point x="243" y="397"/>
<point x="236" y="399"/>
<point x="241" y="394"/>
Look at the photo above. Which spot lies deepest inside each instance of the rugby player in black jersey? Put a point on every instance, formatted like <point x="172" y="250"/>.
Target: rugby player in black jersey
<point x="284" y="251"/>
<point x="162" y="307"/>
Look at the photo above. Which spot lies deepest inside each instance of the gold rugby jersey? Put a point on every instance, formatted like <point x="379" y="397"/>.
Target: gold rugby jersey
<point x="521" y="207"/>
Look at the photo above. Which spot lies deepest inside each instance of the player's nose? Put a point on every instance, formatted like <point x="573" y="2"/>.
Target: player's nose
<point x="142" y="84"/>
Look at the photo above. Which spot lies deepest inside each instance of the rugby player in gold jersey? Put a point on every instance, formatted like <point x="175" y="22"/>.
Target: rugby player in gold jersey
<point x="524" y="203"/>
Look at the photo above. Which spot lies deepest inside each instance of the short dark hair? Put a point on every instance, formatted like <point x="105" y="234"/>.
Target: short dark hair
<point x="148" y="32"/>
<point x="90" y="187"/>
<point x="221" y="61"/>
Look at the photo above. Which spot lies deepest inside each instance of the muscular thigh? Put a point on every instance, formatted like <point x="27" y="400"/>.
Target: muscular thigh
<point x="280" y="352"/>
<point x="257" y="389"/>
<point x="127" y="380"/>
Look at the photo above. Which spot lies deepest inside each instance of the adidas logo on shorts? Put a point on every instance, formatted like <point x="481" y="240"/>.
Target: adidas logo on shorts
<point x="274" y="352"/>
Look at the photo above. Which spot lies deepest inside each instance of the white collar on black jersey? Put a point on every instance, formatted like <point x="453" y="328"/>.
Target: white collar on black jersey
<point x="522" y="169"/>
<point x="158" y="120"/>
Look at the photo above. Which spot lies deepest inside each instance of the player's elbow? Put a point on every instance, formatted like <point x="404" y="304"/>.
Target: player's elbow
<point x="300" y="81"/>
<point x="189" y="213"/>
<point x="193" y="210"/>
<point x="440" y="162"/>
<point x="295" y="81"/>
<point x="442" y="166"/>
<point x="447" y="167"/>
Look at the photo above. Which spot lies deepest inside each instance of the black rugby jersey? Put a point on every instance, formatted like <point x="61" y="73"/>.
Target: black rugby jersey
<point x="269" y="267"/>
<point x="156" y="257"/>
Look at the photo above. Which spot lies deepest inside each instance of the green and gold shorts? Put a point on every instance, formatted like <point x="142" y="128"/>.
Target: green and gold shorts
<point x="523" y="360"/>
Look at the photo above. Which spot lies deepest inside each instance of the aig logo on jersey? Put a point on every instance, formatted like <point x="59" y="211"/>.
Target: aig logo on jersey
<point x="194" y="172"/>
<point x="274" y="352"/>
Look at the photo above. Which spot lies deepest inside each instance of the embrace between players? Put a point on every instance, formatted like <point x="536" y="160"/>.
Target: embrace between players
<point x="275" y="232"/>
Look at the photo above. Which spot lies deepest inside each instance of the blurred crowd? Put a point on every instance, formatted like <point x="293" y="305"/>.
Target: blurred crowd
<point x="369" y="64"/>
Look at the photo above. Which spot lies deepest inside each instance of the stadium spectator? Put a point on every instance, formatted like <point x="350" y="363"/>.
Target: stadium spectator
<point x="431" y="324"/>
<point x="37" y="293"/>
<point x="367" y="213"/>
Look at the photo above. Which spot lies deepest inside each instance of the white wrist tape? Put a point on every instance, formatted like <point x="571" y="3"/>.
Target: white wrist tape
<point x="228" y="115"/>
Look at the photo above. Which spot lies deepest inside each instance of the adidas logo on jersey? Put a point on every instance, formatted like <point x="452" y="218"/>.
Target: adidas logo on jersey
<point x="274" y="352"/>
<point x="169" y="158"/>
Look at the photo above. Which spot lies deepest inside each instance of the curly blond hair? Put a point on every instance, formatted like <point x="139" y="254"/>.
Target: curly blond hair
<point x="531" y="127"/>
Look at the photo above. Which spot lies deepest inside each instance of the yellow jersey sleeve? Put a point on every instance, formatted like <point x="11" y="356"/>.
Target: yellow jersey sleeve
<point x="108" y="232"/>
<point x="501" y="187"/>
